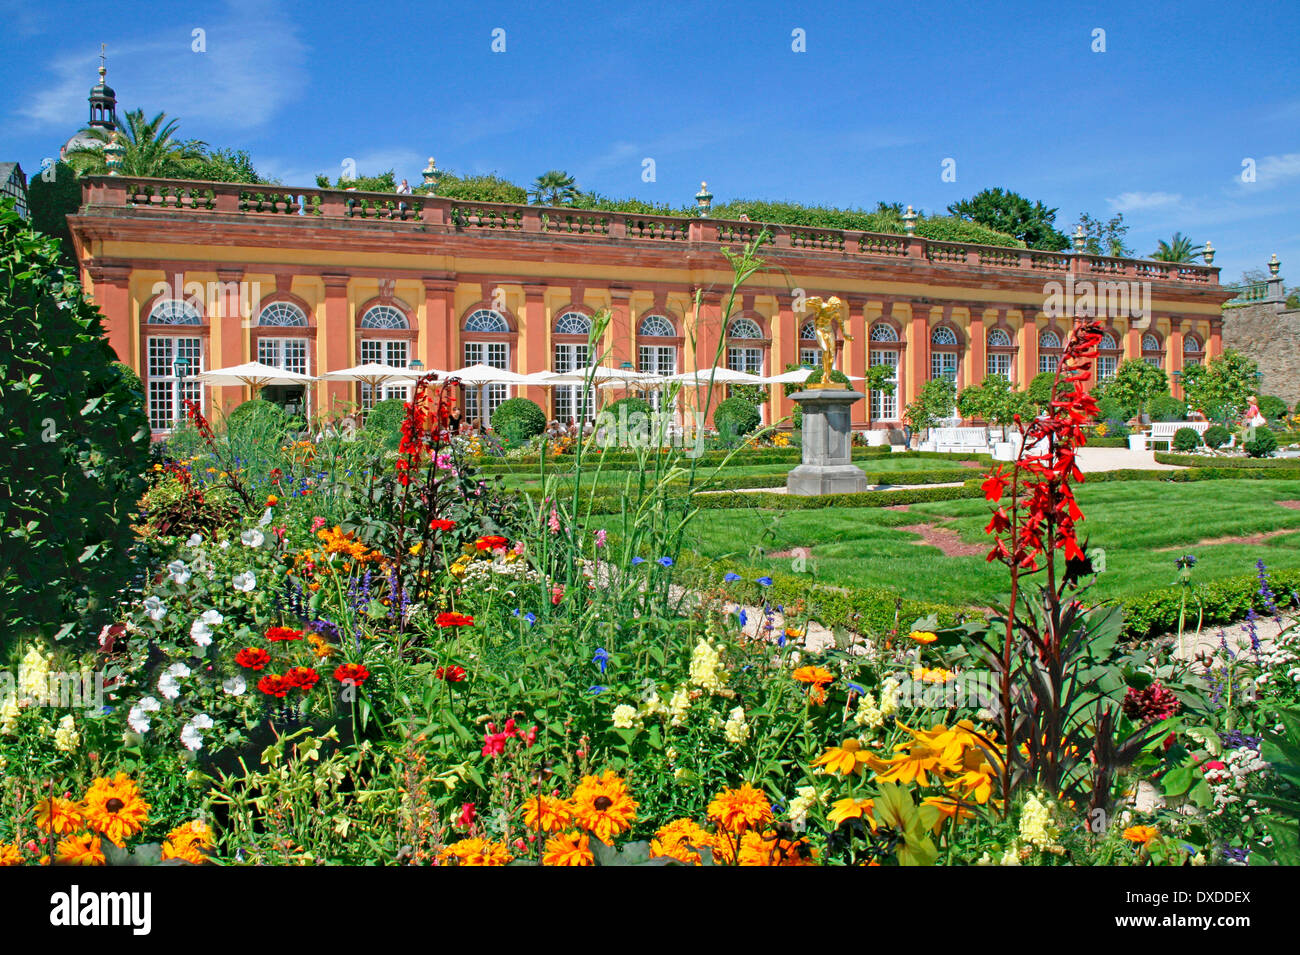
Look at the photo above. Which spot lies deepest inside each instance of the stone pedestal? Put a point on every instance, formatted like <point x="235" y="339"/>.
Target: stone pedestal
<point x="827" y="466"/>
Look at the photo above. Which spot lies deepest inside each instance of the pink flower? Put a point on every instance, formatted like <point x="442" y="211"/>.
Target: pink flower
<point x="600" y="537"/>
<point x="555" y="521"/>
<point x="466" y="815"/>
<point x="519" y="548"/>
<point x="317" y="523"/>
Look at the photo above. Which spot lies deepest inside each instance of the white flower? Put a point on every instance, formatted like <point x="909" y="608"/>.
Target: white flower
<point x="154" y="608"/>
<point x="201" y="633"/>
<point x="736" y="729"/>
<point x="9" y="717"/>
<point x="266" y="518"/>
<point x="224" y="545"/>
<point x="624" y="717"/>
<point x="235" y="686"/>
<point x="212" y="618"/>
<point x="138" y="719"/>
<point x="244" y="582"/>
<point x="66" y="737"/>
<point x="196" y="540"/>
<point x="252" y="538"/>
<point x="190" y="732"/>
<point x="168" y="684"/>
<point x="178" y="571"/>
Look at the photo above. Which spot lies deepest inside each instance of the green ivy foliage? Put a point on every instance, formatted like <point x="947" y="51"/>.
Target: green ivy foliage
<point x="73" y="445"/>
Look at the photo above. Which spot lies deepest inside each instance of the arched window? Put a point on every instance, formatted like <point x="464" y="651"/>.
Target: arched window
<point x="741" y="355"/>
<point x="744" y="328"/>
<point x="282" y="315"/>
<point x="1152" y="351"/>
<point x="656" y="326"/>
<point x="944" y="349"/>
<point x="883" y="350"/>
<point x="486" y="320"/>
<point x="573" y="323"/>
<point x="1107" y="357"/>
<point x="809" y="355"/>
<point x="384" y="316"/>
<point x="1049" y="351"/>
<point x="1193" y="350"/>
<point x="173" y="312"/>
<point x="943" y="335"/>
<point x="883" y="332"/>
<point x="1000" y="350"/>
<point x="482" y="400"/>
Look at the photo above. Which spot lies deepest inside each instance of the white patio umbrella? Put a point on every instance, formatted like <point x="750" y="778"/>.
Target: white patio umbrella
<point x="373" y="374"/>
<point x="487" y="375"/>
<point x="798" y="376"/>
<point x="719" y="376"/>
<point x="253" y="374"/>
<point x="598" y="374"/>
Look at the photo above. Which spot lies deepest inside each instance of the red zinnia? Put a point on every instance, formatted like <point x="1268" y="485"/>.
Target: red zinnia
<point x="441" y="524"/>
<point x="490" y="542"/>
<point x="283" y="633"/>
<point x="273" y="685"/>
<point x="353" y="673"/>
<point x="303" y="678"/>
<point x="253" y="658"/>
<point x="449" y="618"/>
<point x="452" y="674"/>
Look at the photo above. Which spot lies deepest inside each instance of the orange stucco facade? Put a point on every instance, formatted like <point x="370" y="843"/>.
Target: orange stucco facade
<point x="453" y="281"/>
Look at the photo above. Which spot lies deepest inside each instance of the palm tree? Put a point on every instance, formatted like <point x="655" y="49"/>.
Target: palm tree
<point x="1177" y="249"/>
<point x="151" y="150"/>
<point x="554" y="188"/>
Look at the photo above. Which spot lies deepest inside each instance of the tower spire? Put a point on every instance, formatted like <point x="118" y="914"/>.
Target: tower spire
<point x="103" y="101"/>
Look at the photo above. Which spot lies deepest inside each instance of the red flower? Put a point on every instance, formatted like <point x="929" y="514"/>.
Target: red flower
<point x="466" y="815"/>
<point x="494" y="744"/>
<point x="273" y="685"/>
<point x="557" y="594"/>
<point x="491" y="542"/>
<point x="301" y="678"/>
<point x="452" y="674"/>
<point x="283" y="633"/>
<point x="441" y="524"/>
<point x="449" y="618"/>
<point x="994" y="485"/>
<point x="1150" y="704"/>
<point x="353" y="674"/>
<point x="252" y="658"/>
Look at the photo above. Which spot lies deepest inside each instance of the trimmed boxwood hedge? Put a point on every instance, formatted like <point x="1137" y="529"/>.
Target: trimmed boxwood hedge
<point x="1225" y="601"/>
<point x="1201" y="461"/>
<point x="623" y="460"/>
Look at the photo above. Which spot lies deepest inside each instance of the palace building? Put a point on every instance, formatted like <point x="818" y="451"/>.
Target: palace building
<point x="317" y="280"/>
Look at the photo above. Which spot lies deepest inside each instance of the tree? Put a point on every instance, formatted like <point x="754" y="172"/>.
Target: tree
<point x="1009" y="212"/>
<point x="1135" y="384"/>
<point x="1220" y="389"/>
<point x="489" y="188"/>
<point x="879" y="378"/>
<point x="1039" y="392"/>
<point x="52" y="199"/>
<point x="227" y="165"/>
<point x="384" y="182"/>
<point x="74" y="445"/>
<point x="1104" y="238"/>
<point x="994" y="400"/>
<point x="1178" y="249"/>
<point x="553" y="188"/>
<point x="933" y="403"/>
<point x="151" y="149"/>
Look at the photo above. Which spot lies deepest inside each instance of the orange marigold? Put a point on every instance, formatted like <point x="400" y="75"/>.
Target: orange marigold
<point x="58" y="817"/>
<point x="83" y="849"/>
<point x="739" y="809"/>
<point x="547" y="813"/>
<point x="568" y="848"/>
<point x="681" y="839"/>
<point x="475" y="851"/>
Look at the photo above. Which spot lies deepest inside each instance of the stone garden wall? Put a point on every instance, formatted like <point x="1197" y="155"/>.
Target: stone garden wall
<point x="1272" y="338"/>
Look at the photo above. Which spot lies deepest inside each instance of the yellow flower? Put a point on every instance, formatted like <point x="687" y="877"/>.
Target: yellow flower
<point x="948" y="808"/>
<point x="603" y="806"/>
<point x="844" y="809"/>
<point x="738" y="809"/>
<point x="84" y="849"/>
<point x="1141" y="834"/>
<point x="114" y="808"/>
<point x="680" y="840"/>
<point x="58" y="816"/>
<point x="569" y="848"/>
<point x="847" y="759"/>
<point x="475" y="851"/>
<point x="769" y="848"/>
<point x="547" y="813"/>
<point x="922" y="636"/>
<point x="11" y="855"/>
<point x="189" y="842"/>
<point x="932" y="675"/>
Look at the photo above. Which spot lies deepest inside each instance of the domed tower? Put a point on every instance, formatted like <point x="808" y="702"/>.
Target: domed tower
<point x="103" y="101"/>
<point x="103" y="113"/>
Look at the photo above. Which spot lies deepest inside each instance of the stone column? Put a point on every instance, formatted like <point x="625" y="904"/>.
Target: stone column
<point x="977" y="361"/>
<point x="338" y="348"/>
<point x="622" y="340"/>
<point x="1174" y="353"/>
<point x="1028" y="343"/>
<point x="112" y="293"/>
<point x="827" y="466"/>
<point x="535" y="336"/>
<point x="231" y="330"/>
<point x="437" y="344"/>
<point x="918" y="353"/>
<point x="785" y="349"/>
<point x="854" y="357"/>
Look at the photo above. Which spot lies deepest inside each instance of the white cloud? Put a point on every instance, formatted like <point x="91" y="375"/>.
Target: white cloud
<point x="246" y="77"/>
<point x="1134" y="201"/>
<point x="1273" y="170"/>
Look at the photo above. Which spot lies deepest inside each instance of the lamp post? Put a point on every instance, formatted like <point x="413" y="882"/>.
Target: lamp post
<point x="704" y="199"/>
<point x="182" y="368"/>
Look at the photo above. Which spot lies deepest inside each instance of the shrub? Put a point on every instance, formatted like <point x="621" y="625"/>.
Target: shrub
<point x="1272" y="407"/>
<point x="1216" y="436"/>
<point x="518" y="419"/>
<point x="1116" y="428"/>
<point x="812" y="381"/>
<point x="74" y="444"/>
<point x="633" y="405"/>
<point x="258" y="413"/>
<point x="953" y="229"/>
<point x="736" y="417"/>
<point x="386" y="417"/>
<point x="1167" y="408"/>
<point x="1262" y="445"/>
<point x="130" y="380"/>
<point x="1109" y="409"/>
<point x="1186" y="439"/>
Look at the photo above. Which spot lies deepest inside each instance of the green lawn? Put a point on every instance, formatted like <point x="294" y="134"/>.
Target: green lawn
<point x="526" y="477"/>
<point x="1134" y="522"/>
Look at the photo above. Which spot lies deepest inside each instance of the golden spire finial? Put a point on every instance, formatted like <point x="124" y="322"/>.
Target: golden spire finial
<point x="102" y="60"/>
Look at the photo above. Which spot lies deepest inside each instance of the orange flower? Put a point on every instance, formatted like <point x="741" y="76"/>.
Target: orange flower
<point x="58" y="817"/>
<point x="475" y="852"/>
<point x="738" y="809"/>
<point x="568" y="848"/>
<point x="922" y="636"/>
<point x="114" y="808"/>
<point x="817" y="676"/>
<point x="847" y="759"/>
<point x="1141" y="834"/>
<point x="449" y="618"/>
<point x="351" y="673"/>
<point x="85" y="849"/>
<point x="547" y="813"/>
<point x="680" y="840"/>
<point x="603" y="806"/>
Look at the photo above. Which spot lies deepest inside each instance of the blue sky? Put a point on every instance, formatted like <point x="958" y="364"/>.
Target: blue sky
<point x="1156" y="127"/>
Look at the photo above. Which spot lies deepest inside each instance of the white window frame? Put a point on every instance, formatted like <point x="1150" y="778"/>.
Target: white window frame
<point x="164" y="390"/>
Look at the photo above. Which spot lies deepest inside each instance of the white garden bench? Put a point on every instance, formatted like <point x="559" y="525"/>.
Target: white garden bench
<point x="1165" y="430"/>
<point x="960" y="439"/>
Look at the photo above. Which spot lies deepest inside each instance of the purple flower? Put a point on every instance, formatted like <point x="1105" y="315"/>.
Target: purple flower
<point x="664" y="562"/>
<point x="765" y="581"/>
<point x="601" y="659"/>
<point x="731" y="578"/>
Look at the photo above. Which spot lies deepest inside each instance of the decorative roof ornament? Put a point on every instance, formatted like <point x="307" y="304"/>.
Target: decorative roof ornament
<point x="1080" y="240"/>
<point x="103" y="101"/>
<point x="432" y="174"/>
<point x="909" y="221"/>
<point x="113" y="154"/>
<point x="1209" y="253"/>
<point x="1274" y="265"/>
<point x="704" y="199"/>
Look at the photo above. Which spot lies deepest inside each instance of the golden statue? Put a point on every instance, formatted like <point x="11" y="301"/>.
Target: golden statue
<point x="824" y="315"/>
